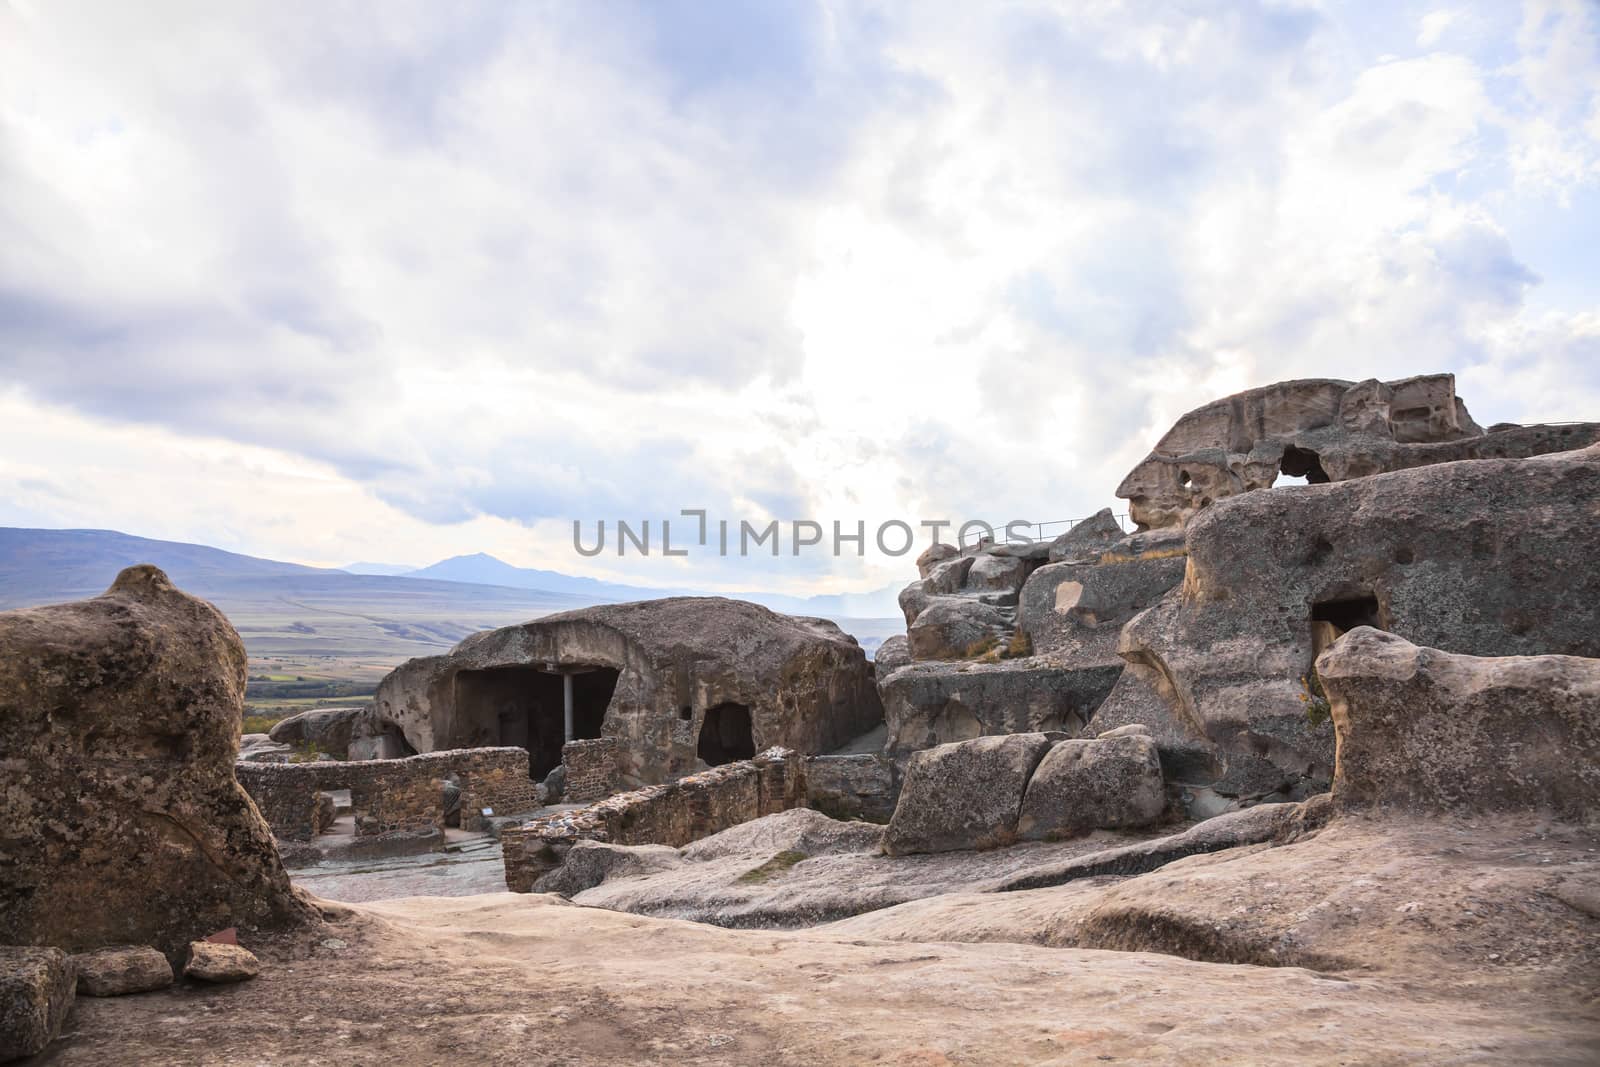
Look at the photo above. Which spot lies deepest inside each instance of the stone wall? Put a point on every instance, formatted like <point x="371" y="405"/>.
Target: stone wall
<point x="591" y="769"/>
<point x="861" y="786"/>
<point x="388" y="796"/>
<point x="501" y="786"/>
<point x="672" y="814"/>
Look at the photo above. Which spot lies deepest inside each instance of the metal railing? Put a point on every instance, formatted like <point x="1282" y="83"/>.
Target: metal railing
<point x="1042" y="531"/>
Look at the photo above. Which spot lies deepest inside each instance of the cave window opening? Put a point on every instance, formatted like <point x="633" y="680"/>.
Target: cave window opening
<point x="1300" y="466"/>
<point x="726" y="735"/>
<point x="1331" y="619"/>
<point x="1348" y="612"/>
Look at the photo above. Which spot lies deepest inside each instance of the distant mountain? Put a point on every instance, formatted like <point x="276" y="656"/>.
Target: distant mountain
<point x="278" y="608"/>
<point x="290" y="609"/>
<point x="37" y="566"/>
<point x="391" y="569"/>
<point x="482" y="568"/>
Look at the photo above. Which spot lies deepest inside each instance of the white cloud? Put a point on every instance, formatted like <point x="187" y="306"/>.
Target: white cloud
<point x="458" y="277"/>
<point x="1433" y="26"/>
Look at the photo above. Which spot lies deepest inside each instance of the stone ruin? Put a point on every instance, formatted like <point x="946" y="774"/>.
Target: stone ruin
<point x="1202" y="626"/>
<point x="399" y="796"/>
<point x="120" y="818"/>
<point x="628" y="695"/>
<point x="1321" y="430"/>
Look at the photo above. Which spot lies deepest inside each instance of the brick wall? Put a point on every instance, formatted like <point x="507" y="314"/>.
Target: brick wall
<point x="388" y="795"/>
<point x="591" y="769"/>
<point x="671" y="814"/>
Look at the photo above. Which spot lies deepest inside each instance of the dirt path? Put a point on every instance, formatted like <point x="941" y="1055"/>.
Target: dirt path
<point x="509" y="979"/>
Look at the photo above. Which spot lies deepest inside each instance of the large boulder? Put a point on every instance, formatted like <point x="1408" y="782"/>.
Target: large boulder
<point x="934" y="555"/>
<point x="37" y="988"/>
<point x="1188" y="756"/>
<point x="1088" y="538"/>
<point x="1103" y="784"/>
<point x="928" y="704"/>
<point x="1076" y="608"/>
<point x="894" y="653"/>
<point x="996" y="572"/>
<point x="1487" y="558"/>
<point x="964" y="795"/>
<point x="120" y="820"/>
<point x="1322" y="430"/>
<point x="1425" y="729"/>
<point x="329" y="729"/>
<point x="674" y="681"/>
<point x="955" y="627"/>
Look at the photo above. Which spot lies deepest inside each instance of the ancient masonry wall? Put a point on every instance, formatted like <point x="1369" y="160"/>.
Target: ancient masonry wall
<point x="861" y="786"/>
<point x="388" y="795"/>
<point x="672" y="814"/>
<point x="502" y="786"/>
<point x="591" y="767"/>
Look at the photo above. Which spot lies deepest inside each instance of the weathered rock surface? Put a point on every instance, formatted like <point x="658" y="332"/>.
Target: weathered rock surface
<point x="796" y="830"/>
<point x="998" y="570"/>
<point x="738" y="997"/>
<point x="1488" y="558"/>
<point x="1144" y="697"/>
<point x="1425" y="729"/>
<point x="928" y="704"/>
<point x="934" y="555"/>
<point x="681" y="672"/>
<point x="1322" y="430"/>
<point x="798" y="869"/>
<point x="1100" y="784"/>
<point x="213" y="962"/>
<point x="1254" y="825"/>
<point x="892" y="654"/>
<point x="1076" y="608"/>
<point x="37" y="988"/>
<point x="259" y="748"/>
<point x="1436" y="903"/>
<point x="327" y="728"/>
<point x="121" y="969"/>
<point x="588" y="863"/>
<point x="951" y="627"/>
<point x="120" y="820"/>
<point x="1088" y="538"/>
<point x="964" y="795"/>
<point x="861" y="786"/>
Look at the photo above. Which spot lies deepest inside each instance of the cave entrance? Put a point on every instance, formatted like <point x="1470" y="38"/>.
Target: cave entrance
<point x="1332" y="619"/>
<point x="1300" y="466"/>
<point x="526" y="707"/>
<point x="726" y="734"/>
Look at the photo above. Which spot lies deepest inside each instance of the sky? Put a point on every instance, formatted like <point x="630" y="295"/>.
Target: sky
<point x="330" y="282"/>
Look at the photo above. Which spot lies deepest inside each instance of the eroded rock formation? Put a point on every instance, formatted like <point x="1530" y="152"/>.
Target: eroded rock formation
<point x="1324" y="431"/>
<point x="120" y="819"/>
<point x="1490" y="558"/>
<point x="1428" y="730"/>
<point x="679" y="682"/>
<point x="995" y="791"/>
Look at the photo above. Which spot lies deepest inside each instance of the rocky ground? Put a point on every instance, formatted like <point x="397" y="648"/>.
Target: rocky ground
<point x="1368" y="941"/>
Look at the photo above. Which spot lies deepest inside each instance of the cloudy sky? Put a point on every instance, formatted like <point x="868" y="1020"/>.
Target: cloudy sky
<point x="328" y="282"/>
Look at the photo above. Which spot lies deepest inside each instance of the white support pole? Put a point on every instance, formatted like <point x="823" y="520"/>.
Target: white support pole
<point x="566" y="700"/>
